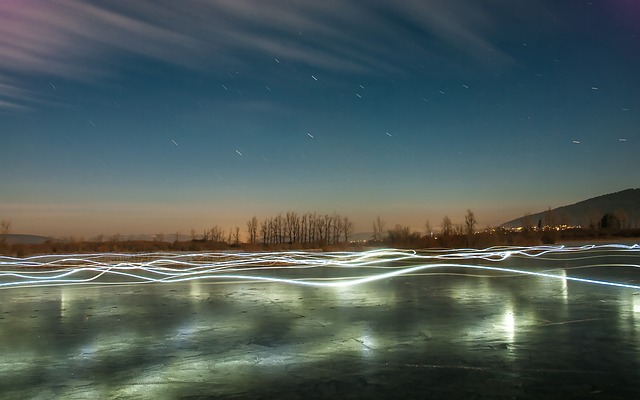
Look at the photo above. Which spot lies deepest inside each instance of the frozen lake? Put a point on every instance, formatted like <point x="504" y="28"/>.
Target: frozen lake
<point x="445" y="332"/>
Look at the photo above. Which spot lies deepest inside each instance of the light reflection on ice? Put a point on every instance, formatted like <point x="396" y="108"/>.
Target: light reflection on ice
<point x="509" y="323"/>
<point x="564" y="287"/>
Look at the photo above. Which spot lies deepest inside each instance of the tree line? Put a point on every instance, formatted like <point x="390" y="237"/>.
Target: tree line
<point x="286" y="228"/>
<point x="292" y="230"/>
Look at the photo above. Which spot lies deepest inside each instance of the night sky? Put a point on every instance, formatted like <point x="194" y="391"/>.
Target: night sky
<point x="162" y="116"/>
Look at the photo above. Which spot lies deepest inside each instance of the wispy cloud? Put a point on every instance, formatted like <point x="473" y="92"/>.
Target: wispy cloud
<point x="13" y="98"/>
<point x="10" y="105"/>
<point x="69" y="37"/>
<point x="79" y="40"/>
<point x="73" y="39"/>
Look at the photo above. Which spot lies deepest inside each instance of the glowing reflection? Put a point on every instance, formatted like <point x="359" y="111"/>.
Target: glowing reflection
<point x="635" y="311"/>
<point x="509" y="324"/>
<point x="367" y="341"/>
<point x="564" y="288"/>
<point x="195" y="290"/>
<point x="66" y="298"/>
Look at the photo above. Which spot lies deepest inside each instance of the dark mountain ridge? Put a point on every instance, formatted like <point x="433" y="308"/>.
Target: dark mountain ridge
<point x="625" y="205"/>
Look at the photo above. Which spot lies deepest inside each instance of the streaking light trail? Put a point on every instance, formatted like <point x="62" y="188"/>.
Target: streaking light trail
<point x="285" y="267"/>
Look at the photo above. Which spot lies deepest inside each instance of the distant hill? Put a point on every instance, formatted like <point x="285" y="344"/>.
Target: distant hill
<point x="16" y="238"/>
<point x="625" y="205"/>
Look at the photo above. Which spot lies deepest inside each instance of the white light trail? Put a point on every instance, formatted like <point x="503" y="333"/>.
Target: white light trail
<point x="279" y="267"/>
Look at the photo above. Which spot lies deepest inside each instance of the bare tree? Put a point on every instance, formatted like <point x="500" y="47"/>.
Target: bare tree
<point x="336" y="228"/>
<point x="446" y="226"/>
<point x="313" y="221"/>
<point x="320" y="225"/>
<point x="428" y="229"/>
<point x="279" y="228"/>
<point x="291" y="226"/>
<point x="470" y="224"/>
<point x="5" y="228"/>
<point x="286" y="228"/>
<point x="347" y="228"/>
<point x="378" y="229"/>
<point x="216" y="234"/>
<point x="458" y="229"/>
<point x="327" y="221"/>
<point x="399" y="235"/>
<point x="273" y="231"/>
<point x="252" y="229"/>
<point x="264" y="231"/>
<point x="236" y="236"/>
<point x="297" y="230"/>
<point x="304" y="230"/>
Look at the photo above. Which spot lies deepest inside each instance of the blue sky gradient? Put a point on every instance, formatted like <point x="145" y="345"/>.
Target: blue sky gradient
<point x="157" y="116"/>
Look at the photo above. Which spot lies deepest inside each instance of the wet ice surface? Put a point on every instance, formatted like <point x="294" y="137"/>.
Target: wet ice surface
<point x="420" y="336"/>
